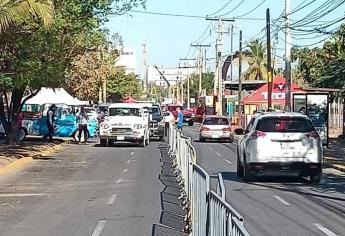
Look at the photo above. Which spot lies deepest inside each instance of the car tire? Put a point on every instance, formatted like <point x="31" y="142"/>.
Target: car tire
<point x="103" y="142"/>
<point x="110" y="143"/>
<point x="239" y="167"/>
<point x="315" y="178"/>
<point x="247" y="176"/>
<point x="201" y="139"/>
<point x="21" y="135"/>
<point x="142" y="143"/>
<point x="161" y="138"/>
<point x="191" y="123"/>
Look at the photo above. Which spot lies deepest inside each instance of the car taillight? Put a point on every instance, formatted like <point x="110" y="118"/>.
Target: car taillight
<point x="257" y="134"/>
<point x="313" y="134"/>
<point x="226" y="129"/>
<point x="204" y="128"/>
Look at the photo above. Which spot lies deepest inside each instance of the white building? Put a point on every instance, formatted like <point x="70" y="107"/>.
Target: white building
<point x="173" y="75"/>
<point x="128" y="60"/>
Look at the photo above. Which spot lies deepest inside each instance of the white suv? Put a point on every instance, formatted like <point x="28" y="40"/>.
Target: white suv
<point x="280" y="142"/>
<point x="125" y="122"/>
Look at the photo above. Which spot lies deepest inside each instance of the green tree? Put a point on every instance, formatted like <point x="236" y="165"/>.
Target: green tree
<point x="207" y="82"/>
<point x="15" y="12"/>
<point x="255" y="56"/>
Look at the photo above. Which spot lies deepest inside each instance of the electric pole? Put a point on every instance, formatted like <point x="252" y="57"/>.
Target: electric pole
<point x="188" y="92"/>
<point x="240" y="84"/>
<point x="145" y="79"/>
<point x="269" y="58"/>
<point x="200" y="63"/>
<point x="231" y="49"/>
<point x="218" y="83"/>
<point x="288" y="55"/>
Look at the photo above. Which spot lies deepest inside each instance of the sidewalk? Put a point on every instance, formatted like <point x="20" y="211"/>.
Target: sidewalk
<point x="12" y="156"/>
<point x="334" y="154"/>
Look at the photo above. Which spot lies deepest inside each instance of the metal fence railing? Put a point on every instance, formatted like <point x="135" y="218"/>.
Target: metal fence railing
<point x="209" y="212"/>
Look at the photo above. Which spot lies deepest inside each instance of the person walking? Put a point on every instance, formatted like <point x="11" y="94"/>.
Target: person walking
<point x="50" y="123"/>
<point x="179" y="120"/>
<point x="82" y="121"/>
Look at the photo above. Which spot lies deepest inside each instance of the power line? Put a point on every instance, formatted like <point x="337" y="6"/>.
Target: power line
<point x="207" y="28"/>
<point x="252" y="9"/>
<point x="237" y="6"/>
<point x="221" y="8"/>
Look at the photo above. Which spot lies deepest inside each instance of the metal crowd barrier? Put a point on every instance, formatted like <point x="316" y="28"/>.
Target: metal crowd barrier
<point x="211" y="214"/>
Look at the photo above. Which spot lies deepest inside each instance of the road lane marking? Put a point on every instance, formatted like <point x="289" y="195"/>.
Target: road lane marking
<point x="125" y="171"/>
<point x="22" y="194"/>
<point x="282" y="200"/>
<point x="112" y="199"/>
<point x="119" y="181"/>
<point x="324" y="230"/>
<point x="227" y="161"/>
<point x="132" y="154"/>
<point x="218" y="154"/>
<point x="211" y="148"/>
<point x="99" y="228"/>
<point x="129" y="161"/>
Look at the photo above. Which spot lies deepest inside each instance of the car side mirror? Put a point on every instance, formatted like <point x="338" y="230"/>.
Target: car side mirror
<point x="239" y="131"/>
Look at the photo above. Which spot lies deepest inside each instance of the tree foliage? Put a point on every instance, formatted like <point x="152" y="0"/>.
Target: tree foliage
<point x="207" y="82"/>
<point x="255" y="56"/>
<point x="322" y="66"/>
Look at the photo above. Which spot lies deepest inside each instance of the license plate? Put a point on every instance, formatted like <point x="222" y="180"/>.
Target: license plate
<point x="120" y="138"/>
<point x="215" y="136"/>
<point x="284" y="145"/>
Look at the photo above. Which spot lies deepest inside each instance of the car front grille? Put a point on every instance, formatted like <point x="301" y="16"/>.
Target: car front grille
<point x="121" y="131"/>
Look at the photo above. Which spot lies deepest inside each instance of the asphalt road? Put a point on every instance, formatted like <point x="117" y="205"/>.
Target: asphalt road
<point x="273" y="206"/>
<point x="84" y="190"/>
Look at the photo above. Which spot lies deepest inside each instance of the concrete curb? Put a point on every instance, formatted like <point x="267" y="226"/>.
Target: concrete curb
<point x="19" y="163"/>
<point x="335" y="166"/>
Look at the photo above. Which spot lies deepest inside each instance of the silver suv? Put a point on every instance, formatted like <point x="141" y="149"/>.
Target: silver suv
<point x="280" y="142"/>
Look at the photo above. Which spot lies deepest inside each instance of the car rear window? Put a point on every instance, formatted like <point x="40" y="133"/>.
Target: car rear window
<point x="285" y="124"/>
<point x="216" y="121"/>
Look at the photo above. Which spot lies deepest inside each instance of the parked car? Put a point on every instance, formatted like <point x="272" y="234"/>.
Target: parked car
<point x="280" y="143"/>
<point x="188" y="115"/>
<point x="216" y="128"/>
<point x="126" y="122"/>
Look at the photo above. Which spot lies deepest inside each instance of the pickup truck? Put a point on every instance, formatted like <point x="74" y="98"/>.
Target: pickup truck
<point x="188" y="115"/>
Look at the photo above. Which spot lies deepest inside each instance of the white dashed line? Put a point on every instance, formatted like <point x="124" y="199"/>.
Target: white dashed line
<point x="99" y="228"/>
<point x="129" y="161"/>
<point x="112" y="199"/>
<point x="22" y="194"/>
<point x="132" y="154"/>
<point x="218" y="154"/>
<point x="119" y="181"/>
<point x="211" y="148"/>
<point x="227" y="161"/>
<point x="324" y="230"/>
<point x="125" y="171"/>
<point x="282" y="200"/>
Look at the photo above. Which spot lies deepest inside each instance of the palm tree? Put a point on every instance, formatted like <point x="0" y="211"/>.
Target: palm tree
<point x="14" y="12"/>
<point x="256" y="58"/>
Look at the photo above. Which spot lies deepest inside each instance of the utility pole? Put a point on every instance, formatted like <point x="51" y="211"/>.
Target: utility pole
<point x="269" y="58"/>
<point x="145" y="79"/>
<point x="200" y="63"/>
<point x="240" y="84"/>
<point x="218" y="83"/>
<point x="231" y="50"/>
<point x="288" y="55"/>
<point x="188" y="92"/>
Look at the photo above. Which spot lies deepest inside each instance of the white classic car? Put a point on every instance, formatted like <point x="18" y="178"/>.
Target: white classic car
<point x="126" y="122"/>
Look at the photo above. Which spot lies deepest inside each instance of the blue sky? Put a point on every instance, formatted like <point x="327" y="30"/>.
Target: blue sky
<point x="169" y="38"/>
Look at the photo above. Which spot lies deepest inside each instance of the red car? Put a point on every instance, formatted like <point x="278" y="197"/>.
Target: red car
<point x="188" y="115"/>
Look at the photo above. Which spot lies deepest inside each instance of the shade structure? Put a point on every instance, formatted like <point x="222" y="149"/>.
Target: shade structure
<point x="260" y="96"/>
<point x="55" y="96"/>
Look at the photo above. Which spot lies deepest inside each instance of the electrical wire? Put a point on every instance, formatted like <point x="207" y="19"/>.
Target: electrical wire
<point x="237" y="6"/>
<point x="222" y="8"/>
<point x="251" y="10"/>
<point x="202" y="35"/>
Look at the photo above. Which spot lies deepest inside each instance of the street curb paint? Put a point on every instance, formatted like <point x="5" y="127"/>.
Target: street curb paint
<point x="19" y="163"/>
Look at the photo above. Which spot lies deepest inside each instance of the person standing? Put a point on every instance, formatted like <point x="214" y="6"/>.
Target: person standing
<point x="50" y="123"/>
<point x="179" y="120"/>
<point x="82" y="121"/>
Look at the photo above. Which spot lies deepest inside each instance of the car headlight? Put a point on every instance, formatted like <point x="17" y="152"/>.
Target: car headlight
<point x="105" y="126"/>
<point x="138" y="126"/>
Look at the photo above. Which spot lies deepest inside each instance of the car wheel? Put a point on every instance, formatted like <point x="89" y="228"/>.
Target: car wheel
<point x="247" y="176"/>
<point x="142" y="143"/>
<point x="191" y="123"/>
<point x="239" y="166"/>
<point x="201" y="139"/>
<point x="111" y="143"/>
<point x="315" y="178"/>
<point x="21" y="134"/>
<point x="161" y="138"/>
<point x="103" y="142"/>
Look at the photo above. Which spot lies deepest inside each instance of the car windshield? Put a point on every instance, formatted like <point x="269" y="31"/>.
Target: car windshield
<point x="285" y="124"/>
<point x="216" y="121"/>
<point x="124" y="111"/>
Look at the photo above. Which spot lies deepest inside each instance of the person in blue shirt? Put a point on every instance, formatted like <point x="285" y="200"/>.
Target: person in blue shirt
<point x="179" y="119"/>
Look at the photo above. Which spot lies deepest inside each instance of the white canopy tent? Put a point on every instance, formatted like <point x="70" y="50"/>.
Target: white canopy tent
<point x="55" y="96"/>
